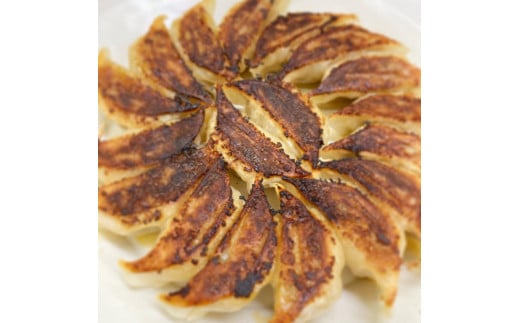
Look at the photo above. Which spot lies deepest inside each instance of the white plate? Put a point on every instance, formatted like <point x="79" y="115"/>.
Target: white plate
<point x="120" y="23"/>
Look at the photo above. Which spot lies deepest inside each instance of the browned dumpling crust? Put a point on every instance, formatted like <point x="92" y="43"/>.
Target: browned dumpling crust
<point x="242" y="264"/>
<point x="384" y="143"/>
<point x="129" y="154"/>
<point x="310" y="261"/>
<point x="196" y="39"/>
<point x="371" y="239"/>
<point x="336" y="44"/>
<point x="247" y="148"/>
<point x="155" y="58"/>
<point x="290" y="111"/>
<point x="131" y="101"/>
<point x="271" y="150"/>
<point x="242" y="26"/>
<point x="285" y="33"/>
<point x="191" y="235"/>
<point x="145" y="201"/>
<point x="388" y="185"/>
<point x="355" y="78"/>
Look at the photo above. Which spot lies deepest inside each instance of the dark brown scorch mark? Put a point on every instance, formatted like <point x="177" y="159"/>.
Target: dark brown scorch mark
<point x="243" y="260"/>
<point x="157" y="59"/>
<point x="291" y="112"/>
<point x="399" y="190"/>
<point x="126" y="198"/>
<point x="306" y="259"/>
<point x="250" y="146"/>
<point x="196" y="225"/>
<point x="150" y="146"/>
<point x="371" y="74"/>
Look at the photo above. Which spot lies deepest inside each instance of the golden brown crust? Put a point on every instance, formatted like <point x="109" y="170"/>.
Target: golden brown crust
<point x="133" y="201"/>
<point x="370" y="74"/>
<point x="382" y="141"/>
<point x="194" y="228"/>
<point x="290" y="111"/>
<point x="199" y="41"/>
<point x="240" y="139"/>
<point x="335" y="43"/>
<point x="294" y="27"/>
<point x="306" y="260"/>
<point x="150" y="146"/>
<point x="155" y="58"/>
<point x="361" y="226"/>
<point x="241" y="28"/>
<point x="402" y="108"/>
<point x="131" y="101"/>
<point x="243" y="262"/>
<point x="398" y="190"/>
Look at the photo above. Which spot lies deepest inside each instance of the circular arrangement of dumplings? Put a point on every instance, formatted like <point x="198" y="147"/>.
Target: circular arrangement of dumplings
<point x="276" y="148"/>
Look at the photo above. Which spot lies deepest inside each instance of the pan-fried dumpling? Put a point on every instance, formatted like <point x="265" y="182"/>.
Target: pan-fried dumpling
<point x="279" y="39"/>
<point x="272" y="150"/>
<point x="353" y="79"/>
<point x="241" y="266"/>
<point x="337" y="44"/>
<point x="196" y="39"/>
